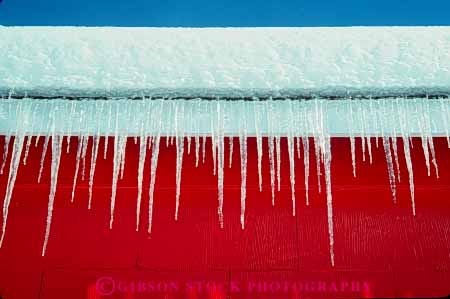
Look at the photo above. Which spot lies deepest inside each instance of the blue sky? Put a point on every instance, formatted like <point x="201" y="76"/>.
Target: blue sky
<point x="210" y="13"/>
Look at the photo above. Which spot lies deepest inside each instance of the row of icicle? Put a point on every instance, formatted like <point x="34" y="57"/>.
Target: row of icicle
<point x="187" y="121"/>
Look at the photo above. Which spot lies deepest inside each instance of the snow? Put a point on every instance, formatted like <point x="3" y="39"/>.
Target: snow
<point x="82" y="61"/>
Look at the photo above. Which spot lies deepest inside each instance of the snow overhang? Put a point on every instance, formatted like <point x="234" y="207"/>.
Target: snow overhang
<point x="231" y="63"/>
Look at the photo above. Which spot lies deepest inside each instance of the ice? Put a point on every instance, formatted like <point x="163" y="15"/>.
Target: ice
<point x="27" y="150"/>
<point x="94" y="155"/>
<point x="230" y="156"/>
<point x="56" y="158"/>
<point x="318" y="162"/>
<point x="154" y="161"/>
<point x="278" y="156"/>
<point x="243" y="152"/>
<point x="197" y="149"/>
<point x="298" y="122"/>
<point x="291" y="154"/>
<point x="271" y="140"/>
<point x="118" y="140"/>
<point x="140" y="175"/>
<point x="179" y="139"/>
<point x="220" y="161"/>
<point x="77" y="165"/>
<point x="43" y="154"/>
<point x="445" y="112"/>
<point x="13" y="169"/>
<point x="258" y="143"/>
<point x="352" y="137"/>
<point x="327" y="164"/>
<point x="83" y="156"/>
<point x="390" y="167"/>
<point x="5" y="152"/>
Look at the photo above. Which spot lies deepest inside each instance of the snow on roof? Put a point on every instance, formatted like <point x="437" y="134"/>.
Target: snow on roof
<point x="56" y="61"/>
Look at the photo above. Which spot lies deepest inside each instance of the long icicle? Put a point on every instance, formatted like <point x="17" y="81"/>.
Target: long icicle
<point x="56" y="157"/>
<point x="220" y="161"/>
<point x="243" y="150"/>
<point x="13" y="168"/>
<point x="142" y="156"/>
<point x="179" y="139"/>
<point x="154" y="165"/>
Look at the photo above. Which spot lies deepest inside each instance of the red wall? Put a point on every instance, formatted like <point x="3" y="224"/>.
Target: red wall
<point x="381" y="249"/>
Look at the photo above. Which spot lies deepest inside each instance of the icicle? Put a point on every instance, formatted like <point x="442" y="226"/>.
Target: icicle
<point x="220" y="161"/>
<point x="197" y="148"/>
<point x="272" y="168"/>
<point x="69" y="133"/>
<point x="430" y="142"/>
<point x="352" y="137"/>
<point x="5" y="152"/>
<point x="203" y="148"/>
<point x="278" y="150"/>
<point x="116" y="165"/>
<point x="269" y="114"/>
<point x="363" y="134"/>
<point x="77" y="165"/>
<point x="390" y="167"/>
<point x="94" y="154"/>
<point x="213" y="141"/>
<point x="154" y="166"/>
<point x="258" y="143"/>
<point x="83" y="157"/>
<point x="142" y="156"/>
<point x="445" y="112"/>
<point x="27" y="150"/>
<point x="369" y="148"/>
<point x="56" y="157"/>
<point x="243" y="150"/>
<point x="105" y="149"/>
<point x="318" y="162"/>
<point x="123" y="150"/>
<point x="231" y="141"/>
<point x="327" y="163"/>
<point x="410" y="172"/>
<point x="305" y="141"/>
<point x="13" y="169"/>
<point x="397" y="164"/>
<point x="179" y="117"/>
<point x="44" y="152"/>
<point x="291" y="153"/>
